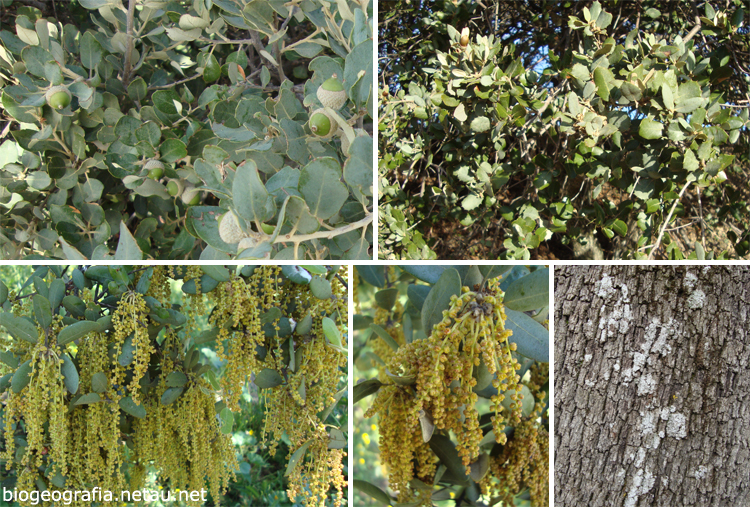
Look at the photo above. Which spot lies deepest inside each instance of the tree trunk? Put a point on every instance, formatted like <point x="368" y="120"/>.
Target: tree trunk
<point x="651" y="386"/>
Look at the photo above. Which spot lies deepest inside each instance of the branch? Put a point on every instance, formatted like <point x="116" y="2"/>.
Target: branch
<point x="287" y="238"/>
<point x="129" y="48"/>
<point x="666" y="222"/>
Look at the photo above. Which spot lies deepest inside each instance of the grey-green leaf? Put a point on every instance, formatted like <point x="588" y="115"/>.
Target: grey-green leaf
<point x="529" y="293"/>
<point x="417" y="294"/>
<point x="531" y="338"/>
<point x="88" y="399"/>
<point x="296" y="457"/>
<point x="171" y="395"/>
<point x="321" y="288"/>
<point x="251" y="199"/>
<point x="130" y="407"/>
<point x="18" y="327"/>
<point x="366" y="388"/>
<point x="375" y="492"/>
<point x="386" y="298"/>
<point x="99" y="382"/>
<point x="438" y="300"/>
<point x="268" y="378"/>
<point x="76" y="331"/>
<point x="176" y="379"/>
<point x="387" y="338"/>
<point x="374" y="275"/>
<point x="42" y="310"/>
<point x="21" y="377"/>
<point x="70" y="374"/>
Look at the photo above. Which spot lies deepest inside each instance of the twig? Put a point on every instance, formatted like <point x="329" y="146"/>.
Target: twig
<point x="325" y="234"/>
<point x="131" y="43"/>
<point x="692" y="32"/>
<point x="666" y="222"/>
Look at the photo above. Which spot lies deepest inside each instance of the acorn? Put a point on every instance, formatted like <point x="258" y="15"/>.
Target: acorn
<point x="174" y="187"/>
<point x="191" y="196"/>
<point x="464" y="37"/>
<point x="58" y="97"/>
<point x="229" y="228"/>
<point x="321" y="124"/>
<point x="331" y="94"/>
<point x="155" y="169"/>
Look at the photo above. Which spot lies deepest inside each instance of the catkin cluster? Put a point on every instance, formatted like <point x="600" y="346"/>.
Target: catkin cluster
<point x="141" y="405"/>
<point x="432" y="386"/>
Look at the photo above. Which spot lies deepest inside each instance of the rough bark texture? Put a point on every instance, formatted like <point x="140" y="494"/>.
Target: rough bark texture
<point x="652" y="386"/>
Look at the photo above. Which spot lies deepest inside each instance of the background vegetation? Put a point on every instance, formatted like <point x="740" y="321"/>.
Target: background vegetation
<point x="561" y="129"/>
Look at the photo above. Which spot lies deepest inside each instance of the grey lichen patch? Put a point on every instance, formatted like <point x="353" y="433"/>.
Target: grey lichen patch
<point x="646" y="385"/>
<point x="654" y="342"/>
<point x="677" y="426"/>
<point x="690" y="280"/>
<point x="643" y="481"/>
<point x="701" y="472"/>
<point x="620" y="316"/>
<point x="697" y="299"/>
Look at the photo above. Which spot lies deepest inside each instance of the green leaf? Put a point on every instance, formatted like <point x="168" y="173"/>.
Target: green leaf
<point x="268" y="378"/>
<point x="471" y="201"/>
<point x="227" y="421"/>
<point x="366" y="388"/>
<point x="296" y="457"/>
<point x="689" y="105"/>
<point x="666" y="93"/>
<point x="385" y="336"/>
<point x="653" y="13"/>
<point x="449" y="284"/>
<point x="70" y="374"/>
<point x="296" y="274"/>
<point x="21" y="377"/>
<point x="358" y="167"/>
<point x="129" y="406"/>
<point x="127" y="247"/>
<point x="528" y="293"/>
<point x="137" y="89"/>
<point x="374" y="275"/>
<point x="332" y="333"/>
<point x="489" y="272"/>
<point x="218" y="273"/>
<point x="76" y="331"/>
<point x="373" y="491"/>
<point x="480" y="124"/>
<point x="386" y="298"/>
<point x="689" y="162"/>
<point x="3" y="293"/>
<point x="18" y="327"/>
<point x="431" y="274"/>
<point x="443" y="447"/>
<point x="320" y="186"/>
<point x="251" y="199"/>
<point x="531" y="338"/>
<point x="90" y="50"/>
<point x="42" y="310"/>
<point x="417" y="295"/>
<point x="164" y="100"/>
<point x="176" y="379"/>
<point x="321" y="288"/>
<point x="337" y="438"/>
<point x="99" y="382"/>
<point x="603" y="77"/>
<point x="87" y="399"/>
<point x="650" y="129"/>
<point x="631" y="91"/>
<point x="171" y="394"/>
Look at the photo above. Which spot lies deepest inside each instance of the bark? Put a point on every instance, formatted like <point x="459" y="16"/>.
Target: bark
<point x="651" y="385"/>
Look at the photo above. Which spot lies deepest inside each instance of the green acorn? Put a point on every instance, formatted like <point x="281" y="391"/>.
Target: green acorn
<point x="320" y="123"/>
<point x="58" y="97"/>
<point x="331" y="94"/>
<point x="155" y="169"/>
<point x="174" y="187"/>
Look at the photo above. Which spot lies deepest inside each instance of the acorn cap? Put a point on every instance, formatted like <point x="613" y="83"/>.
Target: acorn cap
<point x="58" y="97"/>
<point x="189" y="194"/>
<point x="331" y="93"/>
<point x="229" y="228"/>
<point x="321" y="124"/>
<point x="153" y="164"/>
